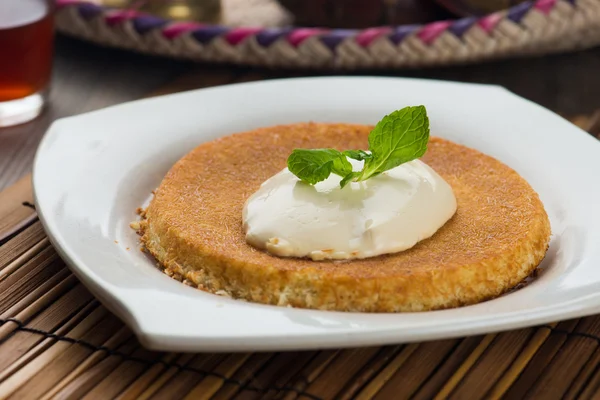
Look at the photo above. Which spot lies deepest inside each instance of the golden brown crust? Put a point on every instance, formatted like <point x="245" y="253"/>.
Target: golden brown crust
<point x="193" y="226"/>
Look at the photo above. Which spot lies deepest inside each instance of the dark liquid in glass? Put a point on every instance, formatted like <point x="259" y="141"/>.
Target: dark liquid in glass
<point x="26" y="37"/>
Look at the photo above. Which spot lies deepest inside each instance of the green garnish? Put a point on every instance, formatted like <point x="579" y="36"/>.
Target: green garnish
<point x="313" y="166"/>
<point x="359" y="155"/>
<point x="398" y="138"/>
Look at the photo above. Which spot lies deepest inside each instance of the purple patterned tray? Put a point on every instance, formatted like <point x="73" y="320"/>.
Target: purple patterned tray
<point x="533" y="27"/>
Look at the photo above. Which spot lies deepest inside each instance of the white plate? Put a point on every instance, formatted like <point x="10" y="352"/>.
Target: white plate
<point x="93" y="170"/>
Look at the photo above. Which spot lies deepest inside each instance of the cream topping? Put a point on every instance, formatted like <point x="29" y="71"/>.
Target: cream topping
<point x="386" y="214"/>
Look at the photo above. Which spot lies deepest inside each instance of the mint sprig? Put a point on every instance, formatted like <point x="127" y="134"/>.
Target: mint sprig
<point x="398" y="138"/>
<point x="359" y="155"/>
<point x="313" y="166"/>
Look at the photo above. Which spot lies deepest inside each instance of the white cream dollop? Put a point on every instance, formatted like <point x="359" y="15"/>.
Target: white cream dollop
<point x="386" y="214"/>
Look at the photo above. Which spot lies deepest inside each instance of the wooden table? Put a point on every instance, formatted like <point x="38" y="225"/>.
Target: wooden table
<point x="57" y="341"/>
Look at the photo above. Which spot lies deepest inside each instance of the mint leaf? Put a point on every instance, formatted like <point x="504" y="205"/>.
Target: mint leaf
<point x="359" y="155"/>
<point x="314" y="166"/>
<point x="398" y="138"/>
<point x="349" y="178"/>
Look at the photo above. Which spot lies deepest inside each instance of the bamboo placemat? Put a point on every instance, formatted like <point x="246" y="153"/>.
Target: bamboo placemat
<point x="57" y="341"/>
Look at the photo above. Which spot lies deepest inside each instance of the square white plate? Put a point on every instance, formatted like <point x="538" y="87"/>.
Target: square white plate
<point x="93" y="170"/>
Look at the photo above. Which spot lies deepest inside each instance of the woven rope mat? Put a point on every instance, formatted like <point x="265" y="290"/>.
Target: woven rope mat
<point x="57" y="341"/>
<point x="533" y="28"/>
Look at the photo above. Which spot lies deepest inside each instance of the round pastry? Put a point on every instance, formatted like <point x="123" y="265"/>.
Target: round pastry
<point x="193" y="227"/>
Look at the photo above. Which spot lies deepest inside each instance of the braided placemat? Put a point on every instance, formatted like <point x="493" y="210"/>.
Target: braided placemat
<point x="57" y="341"/>
<point x="530" y="28"/>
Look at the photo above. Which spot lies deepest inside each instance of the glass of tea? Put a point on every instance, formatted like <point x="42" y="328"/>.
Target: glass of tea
<point x="26" y="47"/>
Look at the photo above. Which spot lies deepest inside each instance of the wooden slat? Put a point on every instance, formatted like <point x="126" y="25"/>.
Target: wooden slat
<point x="115" y="381"/>
<point x="244" y="375"/>
<point x="50" y="319"/>
<point x="449" y="373"/>
<point x="13" y="214"/>
<point x="465" y="367"/>
<point x="309" y="373"/>
<point x="69" y="358"/>
<point x="276" y="374"/>
<point x="83" y="383"/>
<point x="568" y="362"/>
<point x="591" y="390"/>
<point x="56" y="310"/>
<point x="498" y="356"/>
<point x="409" y="377"/>
<point x="47" y="341"/>
<point x="41" y="296"/>
<point x="584" y="377"/>
<point x="376" y="384"/>
<point x="520" y="363"/>
<point x="82" y="377"/>
<point x="182" y="382"/>
<point x="542" y="358"/>
<point x="48" y="354"/>
<point x="153" y="378"/>
<point x="211" y="384"/>
<point x="21" y="244"/>
<point x="347" y="363"/>
<point x="165" y="377"/>
<point x="370" y="371"/>
<point x="33" y="273"/>
<point x="23" y="258"/>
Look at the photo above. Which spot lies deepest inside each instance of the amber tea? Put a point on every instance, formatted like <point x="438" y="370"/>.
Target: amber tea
<point x="26" y="44"/>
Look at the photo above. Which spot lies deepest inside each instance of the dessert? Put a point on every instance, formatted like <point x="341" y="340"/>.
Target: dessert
<point x="194" y="228"/>
<point x="354" y="204"/>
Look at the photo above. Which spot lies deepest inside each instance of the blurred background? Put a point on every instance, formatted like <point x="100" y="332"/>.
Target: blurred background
<point x="72" y="56"/>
